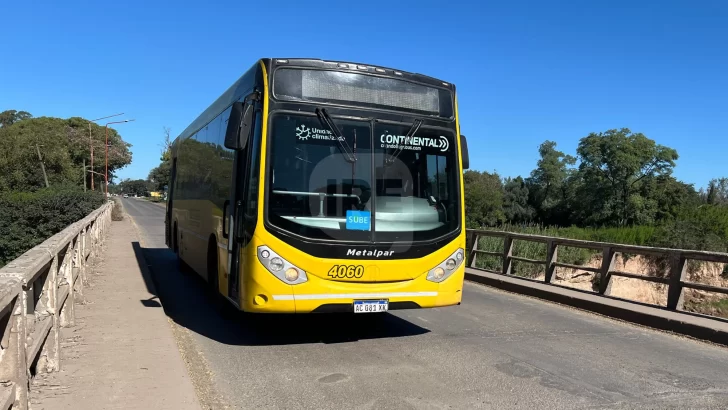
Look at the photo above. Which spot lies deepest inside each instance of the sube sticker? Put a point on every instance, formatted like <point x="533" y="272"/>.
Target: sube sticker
<point x="358" y="220"/>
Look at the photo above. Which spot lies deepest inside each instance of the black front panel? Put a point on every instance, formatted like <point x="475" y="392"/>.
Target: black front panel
<point x="375" y="251"/>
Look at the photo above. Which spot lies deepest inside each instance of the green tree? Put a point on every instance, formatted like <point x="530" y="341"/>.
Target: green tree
<point x="515" y="201"/>
<point x="159" y="176"/>
<point x="483" y="199"/>
<point x="717" y="191"/>
<point x="138" y="187"/>
<point x="702" y="227"/>
<point x="10" y="117"/>
<point x="64" y="146"/>
<point x="613" y="165"/>
<point x="547" y="185"/>
<point x="668" y="196"/>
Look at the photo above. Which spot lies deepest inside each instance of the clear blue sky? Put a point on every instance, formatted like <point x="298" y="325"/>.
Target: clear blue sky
<point x="526" y="71"/>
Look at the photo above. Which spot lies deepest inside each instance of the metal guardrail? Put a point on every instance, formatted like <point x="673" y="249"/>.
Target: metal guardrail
<point x="37" y="294"/>
<point x="676" y="279"/>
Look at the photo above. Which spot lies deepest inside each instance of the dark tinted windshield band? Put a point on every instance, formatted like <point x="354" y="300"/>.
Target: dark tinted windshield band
<point x="315" y="193"/>
<point x="361" y="90"/>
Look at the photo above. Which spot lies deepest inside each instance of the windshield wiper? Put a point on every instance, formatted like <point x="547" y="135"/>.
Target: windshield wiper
<point x="415" y="126"/>
<point x="326" y="120"/>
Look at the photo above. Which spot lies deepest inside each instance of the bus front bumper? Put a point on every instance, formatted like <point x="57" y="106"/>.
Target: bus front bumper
<point x="266" y="294"/>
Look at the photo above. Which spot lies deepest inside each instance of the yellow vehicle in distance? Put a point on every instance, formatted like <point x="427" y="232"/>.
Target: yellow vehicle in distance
<point x="322" y="186"/>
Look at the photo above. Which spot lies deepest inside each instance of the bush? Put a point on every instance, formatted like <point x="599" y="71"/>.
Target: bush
<point x="703" y="228"/>
<point x="29" y="218"/>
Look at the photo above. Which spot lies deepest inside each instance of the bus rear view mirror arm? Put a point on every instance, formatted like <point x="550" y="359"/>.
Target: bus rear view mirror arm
<point x="239" y="124"/>
<point x="464" y="149"/>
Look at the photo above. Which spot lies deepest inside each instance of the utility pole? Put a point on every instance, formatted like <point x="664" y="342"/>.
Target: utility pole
<point x="91" y="147"/>
<point x="91" y="144"/>
<point x="106" y="172"/>
<point x="83" y="172"/>
<point x="42" y="166"/>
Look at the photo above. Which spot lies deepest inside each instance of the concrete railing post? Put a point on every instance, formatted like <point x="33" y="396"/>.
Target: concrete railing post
<point x="67" y="310"/>
<point x="94" y="238"/>
<point x="49" y="359"/>
<point x="18" y="364"/>
<point x="84" y="250"/>
<point x="77" y="270"/>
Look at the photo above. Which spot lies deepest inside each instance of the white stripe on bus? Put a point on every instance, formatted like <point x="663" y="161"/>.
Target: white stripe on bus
<point x="355" y="295"/>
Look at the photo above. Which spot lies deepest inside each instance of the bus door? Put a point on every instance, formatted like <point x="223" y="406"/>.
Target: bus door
<point x="168" y="232"/>
<point x="238" y="230"/>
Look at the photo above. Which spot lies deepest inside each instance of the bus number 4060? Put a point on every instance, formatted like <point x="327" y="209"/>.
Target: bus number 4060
<point x="346" y="271"/>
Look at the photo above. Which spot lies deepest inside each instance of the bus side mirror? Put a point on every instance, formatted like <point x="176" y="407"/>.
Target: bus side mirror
<point x="464" y="151"/>
<point x="238" y="127"/>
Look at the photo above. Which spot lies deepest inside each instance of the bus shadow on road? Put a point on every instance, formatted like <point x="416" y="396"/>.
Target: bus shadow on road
<point x="183" y="297"/>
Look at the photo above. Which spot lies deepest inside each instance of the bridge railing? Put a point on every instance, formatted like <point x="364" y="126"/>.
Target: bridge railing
<point x="37" y="295"/>
<point x="676" y="279"/>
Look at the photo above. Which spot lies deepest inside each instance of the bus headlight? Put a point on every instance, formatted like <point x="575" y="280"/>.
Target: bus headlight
<point x="275" y="264"/>
<point x="281" y="268"/>
<point x="446" y="267"/>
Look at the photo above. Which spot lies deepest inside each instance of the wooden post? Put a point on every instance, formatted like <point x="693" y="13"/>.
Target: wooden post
<point x="507" y="253"/>
<point x="605" y="278"/>
<point x="678" y="265"/>
<point x="474" y="247"/>
<point x="551" y="257"/>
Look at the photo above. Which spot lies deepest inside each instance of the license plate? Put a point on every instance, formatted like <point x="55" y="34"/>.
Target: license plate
<point x="370" y="306"/>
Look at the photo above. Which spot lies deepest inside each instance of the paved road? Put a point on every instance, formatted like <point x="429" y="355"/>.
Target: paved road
<point x="496" y="350"/>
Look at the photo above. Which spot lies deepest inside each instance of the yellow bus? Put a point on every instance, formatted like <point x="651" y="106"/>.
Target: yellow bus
<point x="323" y="186"/>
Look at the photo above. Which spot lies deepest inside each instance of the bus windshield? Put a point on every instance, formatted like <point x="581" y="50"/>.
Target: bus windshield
<point x="397" y="189"/>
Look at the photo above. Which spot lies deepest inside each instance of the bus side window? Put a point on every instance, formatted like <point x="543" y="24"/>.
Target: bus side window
<point x="218" y="165"/>
<point x="225" y="159"/>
